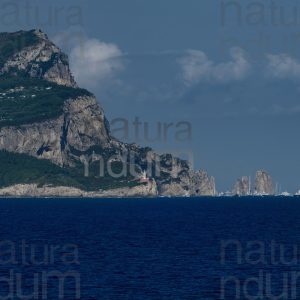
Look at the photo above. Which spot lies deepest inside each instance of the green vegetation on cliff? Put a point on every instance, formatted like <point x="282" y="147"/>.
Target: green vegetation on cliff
<point x="29" y="95"/>
<point x="12" y="43"/>
<point x="26" y="100"/>
<point x="24" y="169"/>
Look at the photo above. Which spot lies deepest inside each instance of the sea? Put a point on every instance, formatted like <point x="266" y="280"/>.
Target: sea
<point x="156" y="248"/>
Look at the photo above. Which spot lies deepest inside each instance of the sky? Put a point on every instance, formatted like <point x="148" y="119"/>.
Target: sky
<point x="216" y="82"/>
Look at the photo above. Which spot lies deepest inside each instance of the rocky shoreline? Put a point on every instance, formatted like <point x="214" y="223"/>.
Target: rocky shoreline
<point x="32" y="190"/>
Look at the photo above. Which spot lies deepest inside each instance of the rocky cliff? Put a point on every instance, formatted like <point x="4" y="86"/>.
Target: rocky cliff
<point x="36" y="56"/>
<point x="44" y="115"/>
<point x="81" y="126"/>
<point x="242" y="187"/>
<point x="263" y="183"/>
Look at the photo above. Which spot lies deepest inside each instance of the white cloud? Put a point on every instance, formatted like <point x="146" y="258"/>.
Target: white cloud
<point x="69" y="38"/>
<point x="283" y="66"/>
<point x="196" y="67"/>
<point x="93" y="62"/>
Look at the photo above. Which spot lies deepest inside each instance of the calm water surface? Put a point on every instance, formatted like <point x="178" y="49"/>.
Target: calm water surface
<point x="150" y="248"/>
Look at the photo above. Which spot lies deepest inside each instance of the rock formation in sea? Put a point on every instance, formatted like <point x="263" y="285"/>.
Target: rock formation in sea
<point x="192" y="183"/>
<point x="263" y="183"/>
<point x="242" y="187"/>
<point x="204" y="184"/>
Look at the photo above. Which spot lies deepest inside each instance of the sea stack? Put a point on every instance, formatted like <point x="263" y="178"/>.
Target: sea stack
<point x="263" y="183"/>
<point x="205" y="184"/>
<point x="242" y="187"/>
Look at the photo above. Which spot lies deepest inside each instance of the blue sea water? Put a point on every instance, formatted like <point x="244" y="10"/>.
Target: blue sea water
<point x="184" y="248"/>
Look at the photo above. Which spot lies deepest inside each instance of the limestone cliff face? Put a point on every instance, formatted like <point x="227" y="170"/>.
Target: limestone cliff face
<point x="263" y="183"/>
<point x="204" y="185"/>
<point x="81" y="131"/>
<point x="190" y="184"/>
<point x="81" y="126"/>
<point x="41" y="60"/>
<point x="242" y="187"/>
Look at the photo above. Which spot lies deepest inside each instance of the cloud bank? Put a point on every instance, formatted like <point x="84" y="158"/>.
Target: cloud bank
<point x="94" y="62"/>
<point x="196" y="67"/>
<point x="282" y="66"/>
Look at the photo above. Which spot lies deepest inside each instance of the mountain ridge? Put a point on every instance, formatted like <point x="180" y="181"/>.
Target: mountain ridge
<point x="71" y="130"/>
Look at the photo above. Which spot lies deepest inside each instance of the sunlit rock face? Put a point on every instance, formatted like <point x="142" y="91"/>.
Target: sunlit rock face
<point x="242" y="187"/>
<point x="81" y="126"/>
<point x="40" y="59"/>
<point x="263" y="183"/>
